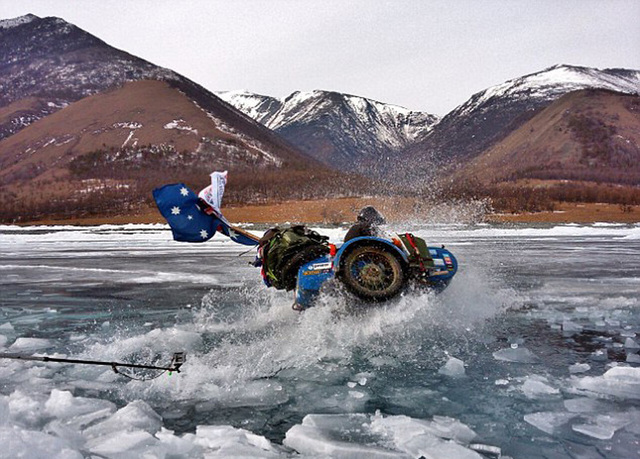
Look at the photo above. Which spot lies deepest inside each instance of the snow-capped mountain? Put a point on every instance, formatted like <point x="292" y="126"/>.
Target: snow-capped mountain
<point x="551" y="83"/>
<point x="492" y="114"/>
<point x="338" y="129"/>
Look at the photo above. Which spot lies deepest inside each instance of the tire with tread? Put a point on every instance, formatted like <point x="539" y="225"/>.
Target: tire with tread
<point x="372" y="273"/>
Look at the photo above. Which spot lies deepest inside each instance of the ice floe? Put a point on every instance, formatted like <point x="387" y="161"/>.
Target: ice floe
<point x="619" y="381"/>
<point x="549" y="421"/>
<point x="516" y="354"/>
<point x="579" y="368"/>
<point x="538" y="386"/>
<point x="453" y="368"/>
<point x="29" y="344"/>
<point x="79" y="426"/>
<point x="378" y="436"/>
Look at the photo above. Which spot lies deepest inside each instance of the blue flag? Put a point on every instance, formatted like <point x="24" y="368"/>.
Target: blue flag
<point x="235" y="234"/>
<point x="179" y="206"/>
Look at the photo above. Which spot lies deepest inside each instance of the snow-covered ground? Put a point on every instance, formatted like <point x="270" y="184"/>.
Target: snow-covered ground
<point x="533" y="351"/>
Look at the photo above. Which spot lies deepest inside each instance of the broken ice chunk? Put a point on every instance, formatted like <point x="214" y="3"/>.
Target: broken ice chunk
<point x="603" y="427"/>
<point x="633" y="358"/>
<point x="116" y="444"/>
<point x="518" y="355"/>
<point x="570" y="328"/>
<point x="17" y="442"/>
<point x="136" y="415"/>
<point x="329" y="435"/>
<point x="453" y="368"/>
<point x="379" y="436"/>
<point x="486" y="449"/>
<point x="29" y="344"/>
<point x="628" y="375"/>
<point x="630" y="343"/>
<point x="584" y="405"/>
<point x="548" y="421"/>
<point x="536" y="386"/>
<point x="595" y="431"/>
<point x="447" y="427"/>
<point x="63" y="405"/>
<point x="599" y="355"/>
<point x="227" y="441"/>
<point x="404" y="428"/>
<point x="618" y="381"/>
<point x="579" y="368"/>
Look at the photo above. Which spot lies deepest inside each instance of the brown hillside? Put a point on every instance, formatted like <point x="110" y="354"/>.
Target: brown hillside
<point x="139" y="114"/>
<point x="589" y="135"/>
<point x="105" y="153"/>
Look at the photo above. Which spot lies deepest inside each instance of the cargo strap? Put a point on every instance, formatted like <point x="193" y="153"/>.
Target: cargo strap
<point x="412" y="242"/>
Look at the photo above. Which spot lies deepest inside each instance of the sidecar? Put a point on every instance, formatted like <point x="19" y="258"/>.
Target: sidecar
<point x="374" y="270"/>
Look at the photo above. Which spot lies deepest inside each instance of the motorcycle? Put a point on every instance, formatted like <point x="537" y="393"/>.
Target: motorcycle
<point x="374" y="270"/>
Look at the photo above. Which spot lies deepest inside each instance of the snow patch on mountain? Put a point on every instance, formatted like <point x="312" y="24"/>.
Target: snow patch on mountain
<point x="255" y="106"/>
<point x="553" y="82"/>
<point x="181" y="125"/>
<point x="15" y="22"/>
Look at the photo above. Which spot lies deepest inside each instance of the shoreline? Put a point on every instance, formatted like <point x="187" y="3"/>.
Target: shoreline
<point x="396" y="210"/>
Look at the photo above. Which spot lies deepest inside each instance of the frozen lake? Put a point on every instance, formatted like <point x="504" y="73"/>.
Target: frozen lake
<point x="532" y="352"/>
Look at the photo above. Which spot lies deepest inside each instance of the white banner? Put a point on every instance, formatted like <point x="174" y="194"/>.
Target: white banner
<point x="214" y="192"/>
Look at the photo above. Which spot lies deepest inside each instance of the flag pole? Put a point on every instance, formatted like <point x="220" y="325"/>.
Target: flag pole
<point x="245" y="233"/>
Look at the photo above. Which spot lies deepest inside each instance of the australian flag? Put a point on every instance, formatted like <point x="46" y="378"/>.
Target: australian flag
<point x="179" y="206"/>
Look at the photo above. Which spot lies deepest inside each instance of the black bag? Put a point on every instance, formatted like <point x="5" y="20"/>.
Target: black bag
<point x="285" y="250"/>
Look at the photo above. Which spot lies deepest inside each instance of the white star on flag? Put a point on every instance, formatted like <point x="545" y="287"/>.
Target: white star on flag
<point x="189" y="217"/>
<point x="184" y="191"/>
<point x="232" y="234"/>
<point x="175" y="210"/>
<point x="204" y="234"/>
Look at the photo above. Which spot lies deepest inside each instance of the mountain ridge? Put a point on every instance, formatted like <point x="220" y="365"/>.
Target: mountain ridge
<point x="336" y="128"/>
<point x="479" y="120"/>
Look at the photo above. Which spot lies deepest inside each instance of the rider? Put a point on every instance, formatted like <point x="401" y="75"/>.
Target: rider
<point x="367" y="224"/>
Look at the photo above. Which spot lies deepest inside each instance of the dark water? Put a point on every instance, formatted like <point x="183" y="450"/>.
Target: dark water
<point x="527" y="305"/>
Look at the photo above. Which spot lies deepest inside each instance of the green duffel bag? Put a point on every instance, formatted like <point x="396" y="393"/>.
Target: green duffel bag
<point x="285" y="250"/>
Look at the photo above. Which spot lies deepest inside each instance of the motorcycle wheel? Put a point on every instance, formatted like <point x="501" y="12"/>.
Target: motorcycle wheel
<point x="372" y="273"/>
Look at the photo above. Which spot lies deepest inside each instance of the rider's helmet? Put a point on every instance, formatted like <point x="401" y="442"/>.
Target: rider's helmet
<point x="370" y="215"/>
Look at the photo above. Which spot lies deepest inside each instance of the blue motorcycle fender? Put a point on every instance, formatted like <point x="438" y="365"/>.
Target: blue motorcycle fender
<point x="311" y="276"/>
<point x="367" y="240"/>
<point x="445" y="264"/>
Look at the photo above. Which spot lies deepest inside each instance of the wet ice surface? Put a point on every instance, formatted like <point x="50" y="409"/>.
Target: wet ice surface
<point x="531" y="352"/>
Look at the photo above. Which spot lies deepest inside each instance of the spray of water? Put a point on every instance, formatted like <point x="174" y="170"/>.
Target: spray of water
<point x="240" y="340"/>
<point x="244" y="344"/>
